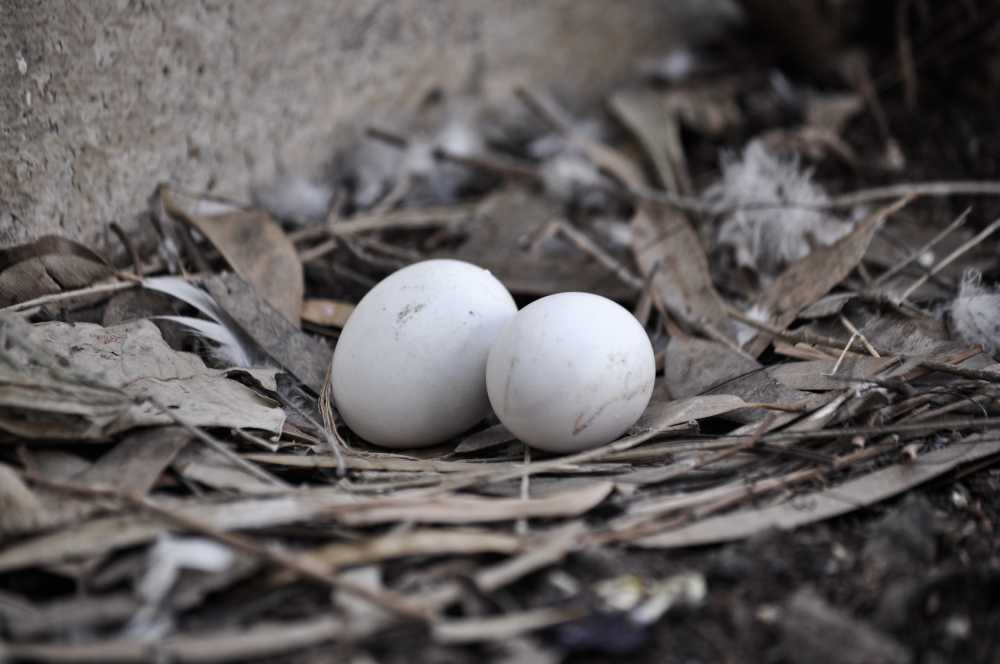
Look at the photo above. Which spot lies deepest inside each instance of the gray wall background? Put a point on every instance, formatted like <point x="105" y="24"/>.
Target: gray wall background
<point x="102" y="99"/>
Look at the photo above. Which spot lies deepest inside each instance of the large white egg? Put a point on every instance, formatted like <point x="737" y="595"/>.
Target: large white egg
<point x="571" y="371"/>
<point x="409" y="368"/>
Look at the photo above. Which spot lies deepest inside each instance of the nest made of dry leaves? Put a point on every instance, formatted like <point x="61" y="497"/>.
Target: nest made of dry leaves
<point x="172" y="443"/>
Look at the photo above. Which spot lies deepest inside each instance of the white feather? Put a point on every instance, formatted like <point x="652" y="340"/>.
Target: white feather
<point x="766" y="205"/>
<point x="975" y="313"/>
<point x="187" y="293"/>
<point x="228" y="350"/>
<point x="295" y="198"/>
<point x="231" y="348"/>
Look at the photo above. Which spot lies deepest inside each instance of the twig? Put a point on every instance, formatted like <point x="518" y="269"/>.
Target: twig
<point x="854" y="331"/>
<point x="527" y="172"/>
<point x="331" y="441"/>
<point x="897" y="427"/>
<point x="215" y="445"/>
<point x="491" y="476"/>
<point x="521" y="527"/>
<point x="300" y="565"/>
<point x="974" y="374"/>
<point x="129" y="247"/>
<point x="904" y="51"/>
<point x="545" y="109"/>
<point x="588" y="246"/>
<point x="893" y="271"/>
<point x="937" y="189"/>
<point x="644" y="306"/>
<point x="843" y="354"/>
<point x="792" y="337"/>
<point x="490" y="163"/>
<point x="863" y="82"/>
<point x="947" y="260"/>
<point x="320" y="250"/>
<point x="336" y="443"/>
<point x="99" y="289"/>
<point x="401" y="253"/>
<point x="405" y="218"/>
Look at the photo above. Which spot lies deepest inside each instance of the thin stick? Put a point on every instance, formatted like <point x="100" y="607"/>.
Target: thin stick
<point x="904" y="51"/>
<point x="843" y="354"/>
<point x="336" y="443"/>
<point x="651" y="508"/>
<point x="390" y="250"/>
<point x="792" y="337"/>
<point x="320" y="250"/>
<point x="300" y="565"/>
<point x="590" y="247"/>
<point x="896" y="427"/>
<point x="936" y="189"/>
<point x="217" y="446"/>
<point x="545" y="109"/>
<point x="974" y="374"/>
<point x="521" y="527"/>
<point x="986" y="232"/>
<point x="406" y="218"/>
<point x="854" y="331"/>
<point x="521" y="171"/>
<point x="644" y="307"/>
<point x="922" y="250"/>
<point x="129" y="247"/>
<point x="490" y="163"/>
<point x="70" y="295"/>
<point x="331" y="441"/>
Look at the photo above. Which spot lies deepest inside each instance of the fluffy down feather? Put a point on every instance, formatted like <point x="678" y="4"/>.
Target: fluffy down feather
<point x="768" y="210"/>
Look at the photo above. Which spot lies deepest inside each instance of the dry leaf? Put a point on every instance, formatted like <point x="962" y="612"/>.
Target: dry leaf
<point x="496" y="241"/>
<point x="495" y="435"/>
<point x="50" y="264"/>
<point x="233" y="645"/>
<point x="654" y="116"/>
<point x="257" y="250"/>
<point x="414" y="543"/>
<point x="804" y="282"/>
<point x="692" y="366"/>
<point x="206" y="466"/>
<point x="136" y="463"/>
<point x="760" y="387"/>
<point x="664" y="241"/>
<point x="506" y="626"/>
<point x="471" y="509"/>
<point x="661" y="415"/>
<point x="89" y="538"/>
<point x="136" y="365"/>
<point x="847" y="497"/>
<point x="816" y="375"/>
<point x="20" y="508"/>
<point x="304" y="356"/>
<point x="646" y="116"/>
<point x="72" y="613"/>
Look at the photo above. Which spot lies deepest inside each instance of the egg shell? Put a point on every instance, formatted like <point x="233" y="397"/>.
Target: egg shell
<point x="570" y="372"/>
<point x="409" y="367"/>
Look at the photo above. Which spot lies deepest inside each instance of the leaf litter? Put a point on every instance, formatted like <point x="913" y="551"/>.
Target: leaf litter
<point x="820" y="353"/>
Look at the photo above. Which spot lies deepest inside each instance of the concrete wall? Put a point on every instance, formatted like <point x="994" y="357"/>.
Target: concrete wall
<point x="102" y="99"/>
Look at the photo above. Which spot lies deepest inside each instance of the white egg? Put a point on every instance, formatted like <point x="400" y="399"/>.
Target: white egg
<point x="409" y="367"/>
<point x="571" y="371"/>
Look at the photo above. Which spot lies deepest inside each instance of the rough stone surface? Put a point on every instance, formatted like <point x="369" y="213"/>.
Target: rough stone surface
<point x="102" y="99"/>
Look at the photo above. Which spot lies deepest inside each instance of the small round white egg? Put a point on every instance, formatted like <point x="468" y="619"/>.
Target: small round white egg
<point x="570" y="372"/>
<point x="409" y="367"/>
